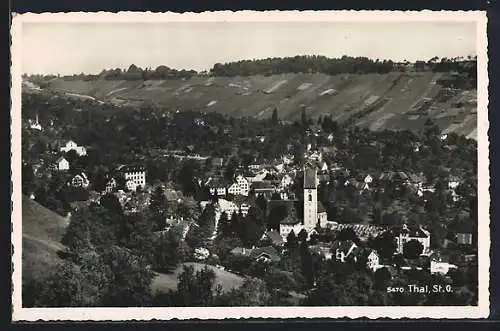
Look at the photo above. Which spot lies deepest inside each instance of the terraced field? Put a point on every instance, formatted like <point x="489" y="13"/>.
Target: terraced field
<point x="376" y="101"/>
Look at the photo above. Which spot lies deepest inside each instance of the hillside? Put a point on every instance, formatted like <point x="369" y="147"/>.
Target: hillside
<point x="401" y="100"/>
<point x="164" y="282"/>
<point x="42" y="233"/>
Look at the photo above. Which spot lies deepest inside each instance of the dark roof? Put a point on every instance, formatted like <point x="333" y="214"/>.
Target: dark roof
<point x="290" y="220"/>
<point x="131" y="168"/>
<point x="321" y="208"/>
<point x="292" y="206"/>
<point x="264" y="185"/>
<point x="275" y="237"/>
<point x="218" y="182"/>
<point x="309" y="177"/>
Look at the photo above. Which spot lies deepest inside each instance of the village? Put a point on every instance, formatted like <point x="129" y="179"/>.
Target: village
<point x="288" y="192"/>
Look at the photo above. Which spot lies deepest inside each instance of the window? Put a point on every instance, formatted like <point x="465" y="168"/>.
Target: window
<point x="310" y="198"/>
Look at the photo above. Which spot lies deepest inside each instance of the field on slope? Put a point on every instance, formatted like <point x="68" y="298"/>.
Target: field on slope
<point x="376" y="101"/>
<point x="42" y="233"/>
<point x="164" y="282"/>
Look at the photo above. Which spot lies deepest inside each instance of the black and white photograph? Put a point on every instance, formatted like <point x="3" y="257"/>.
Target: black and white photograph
<point x="250" y="164"/>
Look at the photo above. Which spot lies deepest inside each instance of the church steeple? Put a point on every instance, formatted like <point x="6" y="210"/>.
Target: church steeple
<point x="310" y="197"/>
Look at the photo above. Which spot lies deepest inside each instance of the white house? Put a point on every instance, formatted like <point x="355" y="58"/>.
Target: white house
<point x="72" y="146"/>
<point x="229" y="207"/>
<point x="80" y="180"/>
<point x="134" y="175"/>
<point x="441" y="267"/>
<point x="111" y="185"/>
<point x="62" y="164"/>
<point x="240" y="186"/>
<point x="217" y="186"/>
<point x="368" y="179"/>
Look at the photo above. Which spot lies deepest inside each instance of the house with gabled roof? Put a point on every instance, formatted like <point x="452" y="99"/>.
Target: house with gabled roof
<point x="61" y="164"/>
<point x="343" y="249"/>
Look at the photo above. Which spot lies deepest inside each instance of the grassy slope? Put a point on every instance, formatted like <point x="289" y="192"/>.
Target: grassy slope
<point x="258" y="96"/>
<point x="164" y="282"/>
<point x="42" y="233"/>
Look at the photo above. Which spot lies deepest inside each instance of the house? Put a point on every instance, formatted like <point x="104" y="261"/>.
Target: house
<point x="62" y="164"/>
<point x="322" y="215"/>
<point x="79" y="180"/>
<point x="404" y="234"/>
<point x="368" y="179"/>
<point x="359" y="186"/>
<point x="111" y="185"/>
<point x="267" y="254"/>
<point x="464" y="238"/>
<point x="453" y="182"/>
<point x="265" y="188"/>
<point x="72" y="146"/>
<point x="342" y="250"/>
<point x="442" y="268"/>
<point x="240" y="186"/>
<point x="366" y="255"/>
<point x="230" y="207"/>
<point x="258" y="177"/>
<point x="134" y="175"/>
<point x="217" y="186"/>
<point x="274" y="237"/>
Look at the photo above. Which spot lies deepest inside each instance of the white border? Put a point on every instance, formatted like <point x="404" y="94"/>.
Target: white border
<point x="116" y="314"/>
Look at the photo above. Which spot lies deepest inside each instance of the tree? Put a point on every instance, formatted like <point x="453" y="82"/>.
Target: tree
<point x="291" y="241"/>
<point x="158" y="207"/>
<point x="412" y="249"/>
<point x="303" y="118"/>
<point x="253" y="292"/>
<point x="384" y="244"/>
<point x="223" y="226"/>
<point x="128" y="271"/>
<point x="230" y="170"/>
<point x="274" y="118"/>
<point x="195" y="289"/>
<point x="348" y="234"/>
<point x="302" y="236"/>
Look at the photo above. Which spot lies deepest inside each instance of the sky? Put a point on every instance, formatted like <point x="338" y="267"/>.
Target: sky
<point x="71" y="48"/>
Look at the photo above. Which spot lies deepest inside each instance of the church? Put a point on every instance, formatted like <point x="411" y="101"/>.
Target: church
<point x="308" y="214"/>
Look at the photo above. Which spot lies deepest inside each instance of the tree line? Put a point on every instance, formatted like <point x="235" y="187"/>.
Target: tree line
<point x="282" y="65"/>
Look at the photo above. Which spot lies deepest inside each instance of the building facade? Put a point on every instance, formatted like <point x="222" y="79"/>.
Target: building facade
<point x="72" y="146"/>
<point x="134" y="175"/>
<point x="240" y="186"/>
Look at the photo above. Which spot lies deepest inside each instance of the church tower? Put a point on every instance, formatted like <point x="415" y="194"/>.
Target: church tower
<point x="310" y="197"/>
